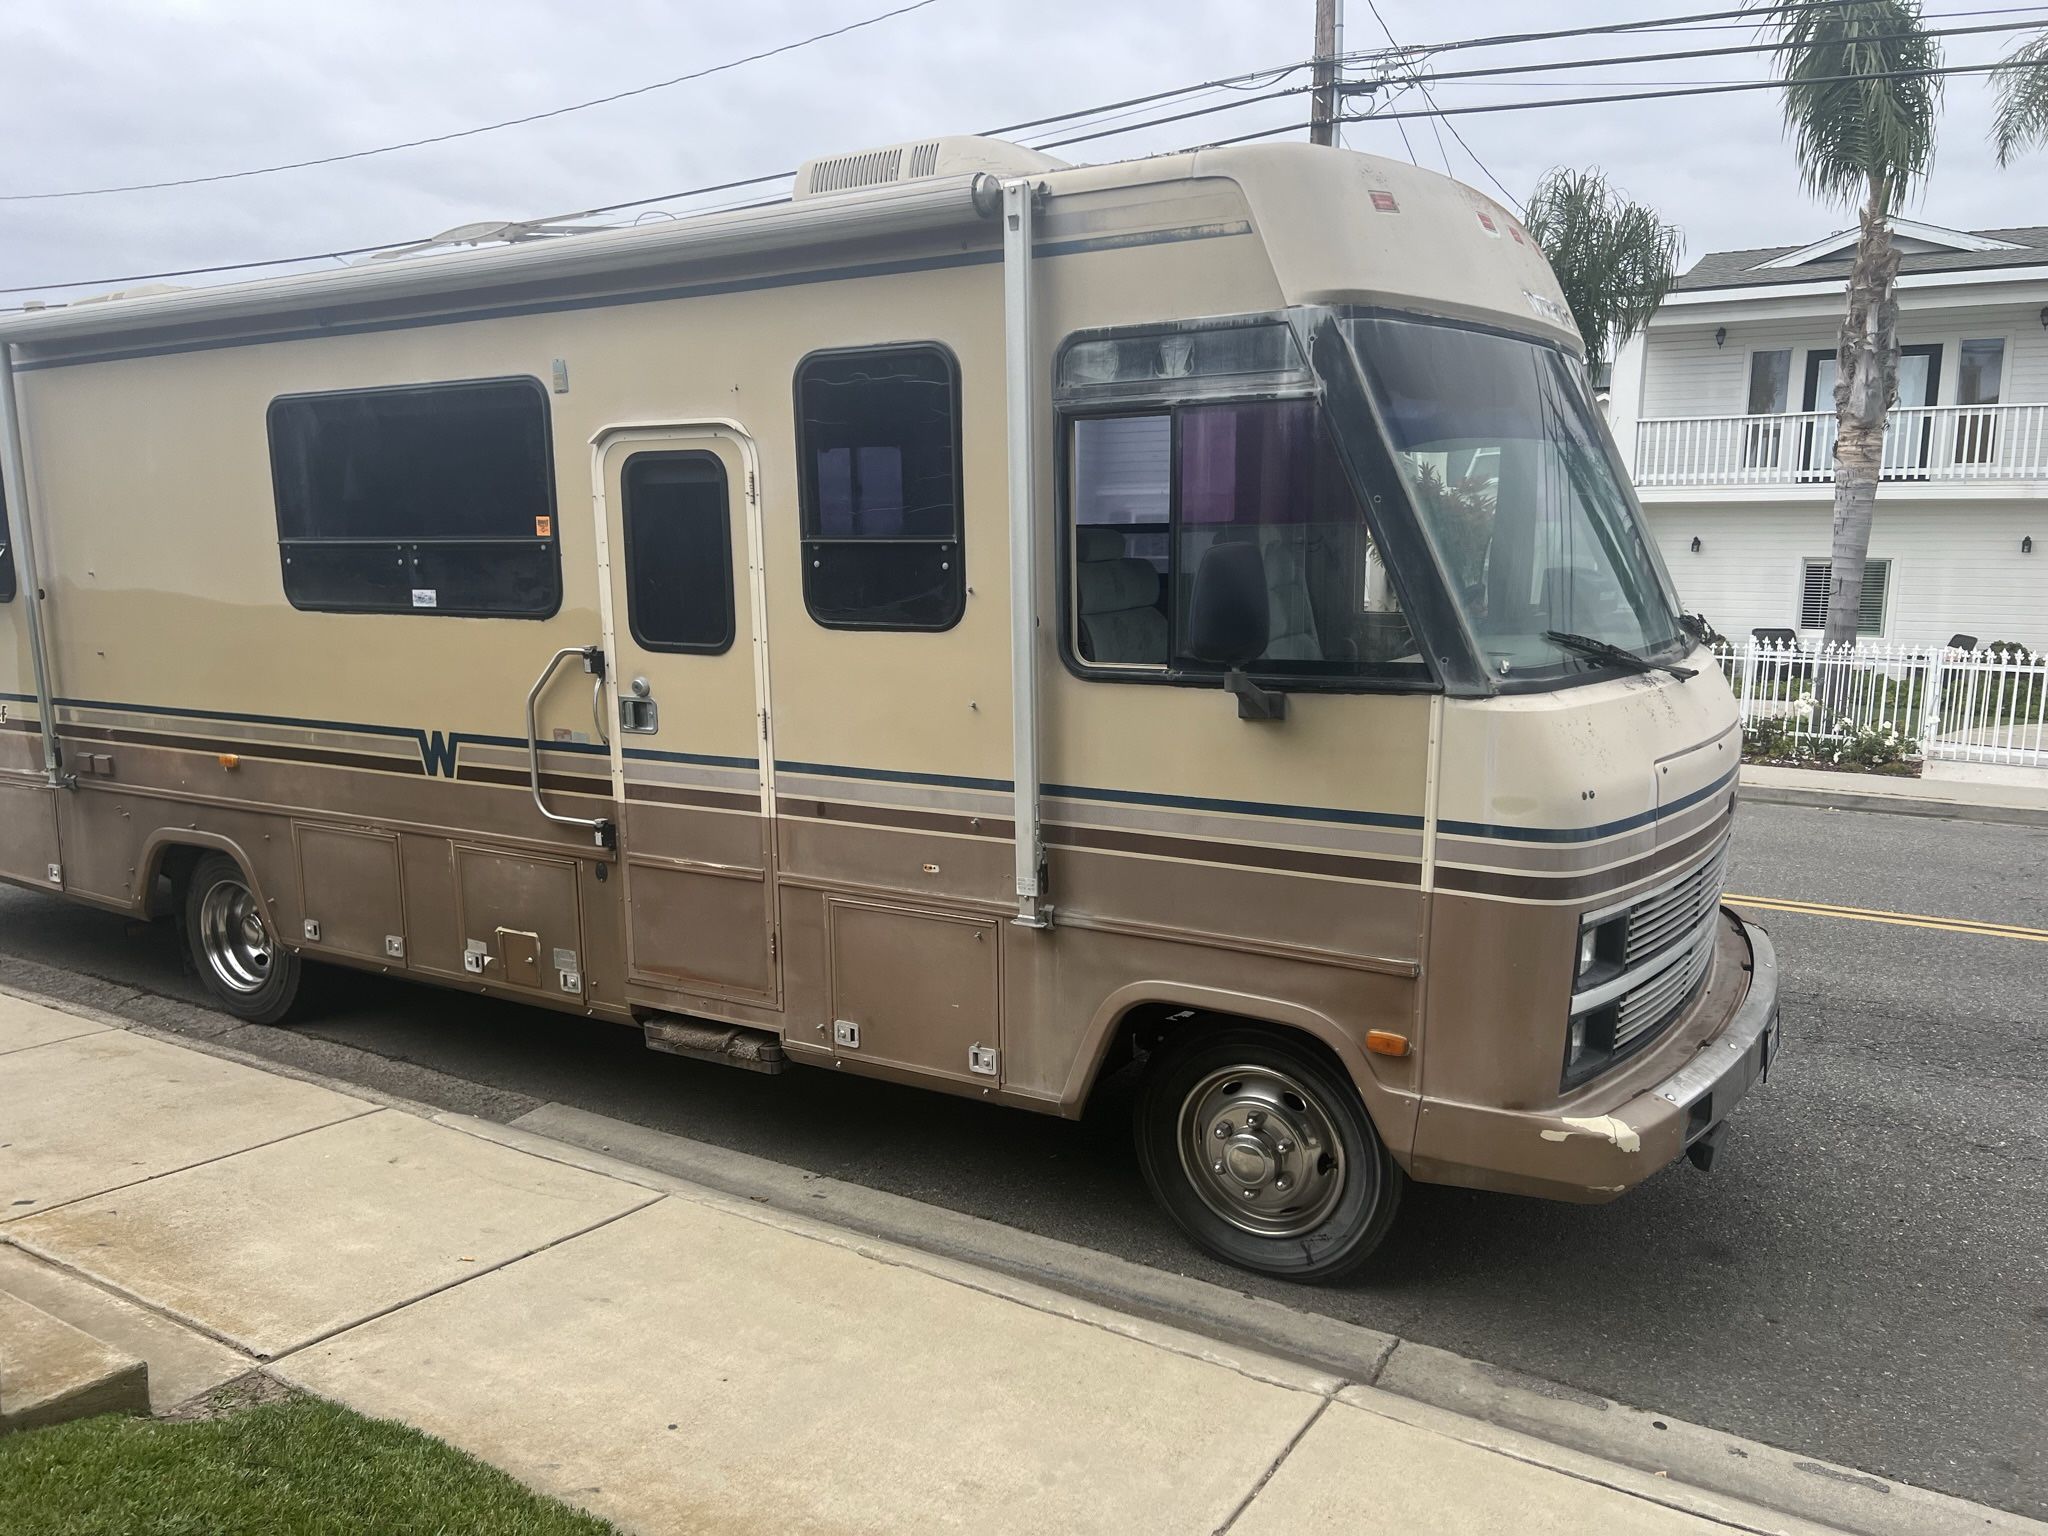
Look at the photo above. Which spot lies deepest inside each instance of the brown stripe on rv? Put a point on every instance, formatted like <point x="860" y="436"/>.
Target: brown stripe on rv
<point x="678" y="794"/>
<point x="1482" y="882"/>
<point x="961" y="824"/>
<point x="270" y="751"/>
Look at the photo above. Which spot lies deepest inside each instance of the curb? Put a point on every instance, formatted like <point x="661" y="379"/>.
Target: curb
<point x="1842" y="1498"/>
<point x="1896" y="805"/>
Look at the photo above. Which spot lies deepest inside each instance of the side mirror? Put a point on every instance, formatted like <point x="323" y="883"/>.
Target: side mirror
<point x="1229" y="624"/>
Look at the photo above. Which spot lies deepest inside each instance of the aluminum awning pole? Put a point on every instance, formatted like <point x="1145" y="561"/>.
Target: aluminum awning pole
<point x="20" y="519"/>
<point x="1020" y="391"/>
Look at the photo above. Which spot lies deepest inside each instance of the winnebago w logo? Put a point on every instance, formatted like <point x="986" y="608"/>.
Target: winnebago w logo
<point x="437" y="752"/>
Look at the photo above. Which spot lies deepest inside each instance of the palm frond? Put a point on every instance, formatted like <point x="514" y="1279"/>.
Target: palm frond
<point x="2020" y="84"/>
<point x="1614" y="258"/>
<point x="1859" y="115"/>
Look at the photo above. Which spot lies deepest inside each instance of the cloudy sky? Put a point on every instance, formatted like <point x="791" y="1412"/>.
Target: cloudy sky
<point x="98" y="92"/>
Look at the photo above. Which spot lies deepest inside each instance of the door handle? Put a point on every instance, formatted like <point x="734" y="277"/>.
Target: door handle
<point x="606" y="835"/>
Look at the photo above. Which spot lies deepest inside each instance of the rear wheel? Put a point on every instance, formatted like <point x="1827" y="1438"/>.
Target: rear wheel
<point x="1260" y="1148"/>
<point x="248" y="972"/>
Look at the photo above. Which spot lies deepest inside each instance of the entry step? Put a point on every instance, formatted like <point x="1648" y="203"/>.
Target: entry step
<point x="752" y="1050"/>
<point x="51" y="1372"/>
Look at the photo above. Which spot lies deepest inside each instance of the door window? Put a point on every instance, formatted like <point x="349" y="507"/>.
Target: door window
<point x="678" y="534"/>
<point x="878" y="445"/>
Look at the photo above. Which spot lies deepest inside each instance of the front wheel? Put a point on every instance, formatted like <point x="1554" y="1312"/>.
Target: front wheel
<point x="1260" y="1148"/>
<point x="248" y="972"/>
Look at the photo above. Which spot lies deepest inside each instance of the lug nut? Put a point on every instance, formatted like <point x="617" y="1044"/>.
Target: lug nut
<point x="1283" y="1147"/>
<point x="1223" y="1129"/>
<point x="1217" y="1166"/>
<point x="1282" y="1182"/>
<point x="1255" y="1119"/>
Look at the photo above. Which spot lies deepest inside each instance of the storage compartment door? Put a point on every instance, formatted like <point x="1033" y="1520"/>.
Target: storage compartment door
<point x="915" y="989"/>
<point x="349" y="893"/>
<point x="28" y="834"/>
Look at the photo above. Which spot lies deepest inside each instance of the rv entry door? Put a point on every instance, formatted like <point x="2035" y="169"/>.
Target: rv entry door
<point x="678" y="539"/>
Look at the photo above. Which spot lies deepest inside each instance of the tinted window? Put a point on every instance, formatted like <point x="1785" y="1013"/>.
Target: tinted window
<point x="878" y="444"/>
<point x="6" y="554"/>
<point x="678" y="552"/>
<point x="1153" y="493"/>
<point x="434" y="499"/>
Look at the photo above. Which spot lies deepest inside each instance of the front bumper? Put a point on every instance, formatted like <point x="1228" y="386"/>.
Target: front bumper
<point x="1589" y="1152"/>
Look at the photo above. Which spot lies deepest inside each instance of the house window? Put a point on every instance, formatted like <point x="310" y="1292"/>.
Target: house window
<point x="1979" y="379"/>
<point x="678" y="527"/>
<point x="1152" y="493"/>
<point x="1770" y="386"/>
<point x="1770" y="381"/>
<point x="430" y="499"/>
<point x="6" y="553"/>
<point x="878" y="448"/>
<point x="1870" y="611"/>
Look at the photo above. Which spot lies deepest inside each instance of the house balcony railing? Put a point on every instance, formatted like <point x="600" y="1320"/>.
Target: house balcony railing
<point x="1921" y="443"/>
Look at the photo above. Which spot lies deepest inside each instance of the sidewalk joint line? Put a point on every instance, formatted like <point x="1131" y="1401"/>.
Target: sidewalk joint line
<point x="460" y="1280"/>
<point x="1266" y="1477"/>
<point x="139" y="1302"/>
<point x="7" y="1222"/>
<point x="44" y="1045"/>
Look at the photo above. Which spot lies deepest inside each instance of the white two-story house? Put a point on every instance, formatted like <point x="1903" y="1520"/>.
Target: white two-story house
<point x="1724" y="409"/>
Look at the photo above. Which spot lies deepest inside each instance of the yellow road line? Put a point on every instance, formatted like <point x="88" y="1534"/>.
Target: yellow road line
<point x="1900" y="919"/>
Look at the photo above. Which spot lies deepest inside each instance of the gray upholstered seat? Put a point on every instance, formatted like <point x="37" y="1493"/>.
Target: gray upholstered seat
<point x="1119" y="600"/>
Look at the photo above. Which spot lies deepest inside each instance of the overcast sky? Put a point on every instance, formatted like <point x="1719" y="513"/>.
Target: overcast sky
<point x="108" y="91"/>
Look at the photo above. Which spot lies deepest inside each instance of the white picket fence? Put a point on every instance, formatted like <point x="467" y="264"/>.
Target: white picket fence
<point x="1975" y="706"/>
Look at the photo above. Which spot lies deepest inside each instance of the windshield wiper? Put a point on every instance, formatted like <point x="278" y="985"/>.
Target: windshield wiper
<point x="1602" y="650"/>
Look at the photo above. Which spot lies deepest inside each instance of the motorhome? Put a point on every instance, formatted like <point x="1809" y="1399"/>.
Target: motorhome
<point x="982" y="623"/>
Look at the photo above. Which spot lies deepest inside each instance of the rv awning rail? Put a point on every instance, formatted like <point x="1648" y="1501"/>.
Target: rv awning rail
<point x="875" y="214"/>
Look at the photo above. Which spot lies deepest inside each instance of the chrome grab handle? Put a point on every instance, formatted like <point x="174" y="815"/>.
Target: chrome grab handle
<point x="597" y="708"/>
<point x="593" y="663"/>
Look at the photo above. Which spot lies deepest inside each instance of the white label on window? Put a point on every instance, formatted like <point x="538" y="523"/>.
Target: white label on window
<point x="425" y="597"/>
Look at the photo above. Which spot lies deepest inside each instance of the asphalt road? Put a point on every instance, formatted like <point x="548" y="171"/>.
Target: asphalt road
<point x="1863" y="1277"/>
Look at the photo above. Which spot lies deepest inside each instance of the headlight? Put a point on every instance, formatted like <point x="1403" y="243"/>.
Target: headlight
<point x="1575" y="1045"/>
<point x="1589" y="949"/>
<point x="1600" y="950"/>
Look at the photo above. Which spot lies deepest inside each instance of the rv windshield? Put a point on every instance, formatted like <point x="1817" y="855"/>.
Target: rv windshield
<point x="1531" y="522"/>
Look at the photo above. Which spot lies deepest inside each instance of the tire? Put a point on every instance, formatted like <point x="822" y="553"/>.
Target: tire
<point x="1313" y="1212"/>
<point x="232" y="946"/>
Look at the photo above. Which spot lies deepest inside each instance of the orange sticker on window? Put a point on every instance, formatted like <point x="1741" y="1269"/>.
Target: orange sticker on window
<point x="543" y="527"/>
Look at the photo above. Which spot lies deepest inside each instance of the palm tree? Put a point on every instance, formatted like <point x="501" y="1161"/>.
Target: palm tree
<point x="1613" y="258"/>
<point x="1860" y="102"/>
<point x="2021" y="81"/>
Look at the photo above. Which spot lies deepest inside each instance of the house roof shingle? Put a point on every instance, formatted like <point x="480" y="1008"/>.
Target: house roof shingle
<point x="1739" y="269"/>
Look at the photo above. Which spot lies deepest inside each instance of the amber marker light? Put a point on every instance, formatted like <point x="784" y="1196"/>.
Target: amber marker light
<point x="1384" y="1042"/>
<point x="229" y="760"/>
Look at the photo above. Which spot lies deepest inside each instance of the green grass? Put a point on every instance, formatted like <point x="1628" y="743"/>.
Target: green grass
<point x="300" y="1467"/>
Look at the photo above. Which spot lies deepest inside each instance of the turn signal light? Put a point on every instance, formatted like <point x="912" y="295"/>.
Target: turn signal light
<point x="229" y="760"/>
<point x="1384" y="1042"/>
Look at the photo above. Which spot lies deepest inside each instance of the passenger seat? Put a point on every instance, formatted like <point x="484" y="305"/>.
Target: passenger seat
<point x="1119" y="596"/>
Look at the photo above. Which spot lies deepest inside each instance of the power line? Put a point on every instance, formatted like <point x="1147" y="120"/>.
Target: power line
<point x="1720" y="88"/>
<point x="1273" y="73"/>
<point x="468" y="133"/>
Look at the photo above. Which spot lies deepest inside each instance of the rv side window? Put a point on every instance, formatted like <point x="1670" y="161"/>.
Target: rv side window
<point x="430" y="499"/>
<point x="878" y="447"/>
<point x="6" y="554"/>
<point x="678" y="552"/>
<point x="1150" y="493"/>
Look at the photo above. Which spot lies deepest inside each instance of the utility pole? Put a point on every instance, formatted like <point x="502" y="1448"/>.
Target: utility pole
<point x="1322" y="126"/>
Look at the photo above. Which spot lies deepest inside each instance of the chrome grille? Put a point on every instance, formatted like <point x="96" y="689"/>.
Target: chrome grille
<point x="1661" y="920"/>
<point x="1649" y="1005"/>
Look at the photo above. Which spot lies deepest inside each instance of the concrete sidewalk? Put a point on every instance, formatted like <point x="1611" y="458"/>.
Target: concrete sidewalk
<point x="680" y="1360"/>
<point x="1951" y="799"/>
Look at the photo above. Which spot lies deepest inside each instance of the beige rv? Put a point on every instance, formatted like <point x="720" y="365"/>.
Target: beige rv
<point x="982" y="623"/>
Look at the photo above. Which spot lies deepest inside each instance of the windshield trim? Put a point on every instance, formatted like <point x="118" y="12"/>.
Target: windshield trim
<point x="1570" y="670"/>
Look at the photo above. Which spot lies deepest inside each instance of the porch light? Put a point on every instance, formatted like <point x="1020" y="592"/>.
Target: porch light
<point x="1721" y="331"/>
<point x="1695" y="543"/>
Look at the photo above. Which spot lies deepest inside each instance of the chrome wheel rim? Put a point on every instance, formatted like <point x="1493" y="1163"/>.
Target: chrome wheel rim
<point x="232" y="935"/>
<point x="1261" y="1151"/>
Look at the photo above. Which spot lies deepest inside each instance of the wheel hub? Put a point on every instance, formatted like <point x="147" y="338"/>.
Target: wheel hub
<point x="1261" y="1151"/>
<point x="233" y="938"/>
